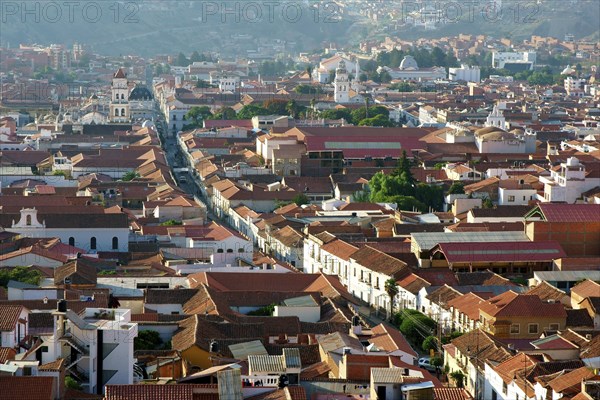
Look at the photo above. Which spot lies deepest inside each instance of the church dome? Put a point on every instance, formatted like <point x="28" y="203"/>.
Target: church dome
<point x="140" y="93"/>
<point x="408" y="62"/>
<point x="568" y="71"/>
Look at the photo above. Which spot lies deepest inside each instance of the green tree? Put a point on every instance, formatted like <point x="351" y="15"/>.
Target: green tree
<point x="309" y="71"/>
<point x="20" y="274"/>
<point x="202" y="84"/>
<point x="129" y="176"/>
<point x="487" y="203"/>
<point x="225" y="113"/>
<point x="275" y="106"/>
<point x="196" y="57"/>
<point x="147" y="340"/>
<point x="392" y="290"/>
<point x="266" y="311"/>
<point x="71" y="383"/>
<point x="308" y="89"/>
<point x="182" y="60"/>
<point x="459" y="378"/>
<point x="249" y="111"/>
<point x="293" y="109"/>
<point x="402" y="87"/>
<point x="171" y="222"/>
<point x="197" y="114"/>
<point x="362" y="196"/>
<point x="301" y="199"/>
<point x="417" y="327"/>
<point x="368" y="112"/>
<point x="378" y="120"/>
<point x="339" y="113"/>
<point x="457" y="188"/>
<point x="403" y="169"/>
<point x="430" y="343"/>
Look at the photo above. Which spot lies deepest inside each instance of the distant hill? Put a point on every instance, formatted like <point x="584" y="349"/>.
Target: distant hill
<point x="233" y="27"/>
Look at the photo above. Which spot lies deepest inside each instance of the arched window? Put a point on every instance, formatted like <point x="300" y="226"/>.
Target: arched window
<point x="28" y="220"/>
<point x="117" y="96"/>
<point x="219" y="250"/>
<point x="71" y="241"/>
<point x="122" y="112"/>
<point x="122" y="96"/>
<point x="241" y="250"/>
<point x="93" y="243"/>
<point x="115" y="243"/>
<point x="116" y="112"/>
<point x="230" y="250"/>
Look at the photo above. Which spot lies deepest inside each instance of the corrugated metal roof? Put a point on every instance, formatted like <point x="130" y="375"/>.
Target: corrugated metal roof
<point x="428" y="240"/>
<point x="230" y="384"/>
<point x="292" y="358"/>
<point x="241" y="351"/>
<point x="267" y="364"/>
<point x="302" y="301"/>
<point x="552" y="276"/>
<point x="501" y="251"/>
<point x="387" y="375"/>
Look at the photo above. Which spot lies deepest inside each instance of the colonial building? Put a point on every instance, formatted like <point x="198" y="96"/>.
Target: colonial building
<point x="119" y="101"/>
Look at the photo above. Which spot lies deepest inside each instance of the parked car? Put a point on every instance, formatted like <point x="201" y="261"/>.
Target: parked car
<point x="425" y="363"/>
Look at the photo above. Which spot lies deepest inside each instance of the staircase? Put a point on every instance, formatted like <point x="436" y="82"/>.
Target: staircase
<point x="75" y="343"/>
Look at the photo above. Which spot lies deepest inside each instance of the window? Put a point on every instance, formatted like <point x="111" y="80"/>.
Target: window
<point x="28" y="220"/>
<point x="122" y="112"/>
<point x="116" y="112"/>
<point x="515" y="328"/>
<point x="71" y="241"/>
<point x="219" y="250"/>
<point x="230" y="250"/>
<point x="554" y="327"/>
<point x="93" y="243"/>
<point x="115" y="243"/>
<point x="533" y="328"/>
<point x="504" y="388"/>
<point x="511" y="199"/>
<point x="241" y="250"/>
<point x="122" y="96"/>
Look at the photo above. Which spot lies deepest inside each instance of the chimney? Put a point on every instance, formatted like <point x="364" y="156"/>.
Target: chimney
<point x="356" y="327"/>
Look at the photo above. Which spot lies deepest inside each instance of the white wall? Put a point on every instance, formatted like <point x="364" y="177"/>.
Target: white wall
<point x="305" y="314"/>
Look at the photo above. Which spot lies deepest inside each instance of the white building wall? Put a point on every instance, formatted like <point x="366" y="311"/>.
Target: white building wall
<point x="104" y="236"/>
<point x="519" y="197"/>
<point x="305" y="314"/>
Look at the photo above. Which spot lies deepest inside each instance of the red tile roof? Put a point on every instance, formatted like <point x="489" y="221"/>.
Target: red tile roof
<point x="7" y="353"/>
<point x="26" y="387"/>
<point x="511" y="304"/>
<point x="501" y="251"/>
<point x="451" y="394"/>
<point x="9" y="315"/>
<point x="162" y="392"/>
<point x="587" y="288"/>
<point x="390" y="339"/>
<point x="570" y="383"/>
<point x="559" y="212"/>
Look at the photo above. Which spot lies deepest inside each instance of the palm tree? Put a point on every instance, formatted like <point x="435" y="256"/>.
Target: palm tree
<point x="292" y="108"/>
<point x="309" y="71"/>
<point x="391" y="288"/>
